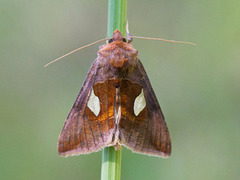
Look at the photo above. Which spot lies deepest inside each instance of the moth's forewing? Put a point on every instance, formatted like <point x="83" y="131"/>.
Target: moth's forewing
<point x="83" y="132"/>
<point x="147" y="131"/>
<point x="116" y="106"/>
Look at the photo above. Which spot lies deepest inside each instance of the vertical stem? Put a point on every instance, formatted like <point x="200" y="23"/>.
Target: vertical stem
<point x="111" y="164"/>
<point x="111" y="158"/>
<point x="117" y="16"/>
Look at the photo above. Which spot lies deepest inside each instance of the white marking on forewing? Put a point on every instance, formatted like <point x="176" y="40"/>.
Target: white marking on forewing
<point x="94" y="103"/>
<point x="139" y="103"/>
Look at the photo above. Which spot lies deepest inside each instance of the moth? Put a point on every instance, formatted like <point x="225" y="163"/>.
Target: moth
<point x="116" y="106"/>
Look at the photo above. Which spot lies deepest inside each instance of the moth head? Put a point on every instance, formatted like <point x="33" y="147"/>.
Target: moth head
<point x="117" y="36"/>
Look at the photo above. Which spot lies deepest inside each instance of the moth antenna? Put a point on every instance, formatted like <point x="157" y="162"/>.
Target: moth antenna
<point x="166" y="40"/>
<point x="127" y="28"/>
<point x="129" y="36"/>
<point x="75" y="51"/>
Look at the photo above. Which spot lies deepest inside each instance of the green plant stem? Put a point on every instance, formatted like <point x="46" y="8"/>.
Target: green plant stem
<point x="111" y="158"/>
<point x="111" y="164"/>
<point x="117" y="16"/>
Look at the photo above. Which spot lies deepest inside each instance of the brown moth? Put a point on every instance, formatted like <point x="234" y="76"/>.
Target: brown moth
<point x="116" y="106"/>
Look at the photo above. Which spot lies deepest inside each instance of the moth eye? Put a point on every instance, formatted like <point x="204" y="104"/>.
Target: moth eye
<point x="124" y="40"/>
<point x="126" y="56"/>
<point x="110" y="41"/>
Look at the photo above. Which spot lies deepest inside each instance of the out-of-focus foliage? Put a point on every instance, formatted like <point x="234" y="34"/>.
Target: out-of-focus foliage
<point x="198" y="87"/>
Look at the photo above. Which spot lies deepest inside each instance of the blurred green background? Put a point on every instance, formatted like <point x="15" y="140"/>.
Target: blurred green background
<point x="198" y="87"/>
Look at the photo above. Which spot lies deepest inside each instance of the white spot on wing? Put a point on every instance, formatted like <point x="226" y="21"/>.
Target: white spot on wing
<point x="139" y="103"/>
<point x="94" y="103"/>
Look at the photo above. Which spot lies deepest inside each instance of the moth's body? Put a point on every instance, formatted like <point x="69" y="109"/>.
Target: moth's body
<point x="116" y="106"/>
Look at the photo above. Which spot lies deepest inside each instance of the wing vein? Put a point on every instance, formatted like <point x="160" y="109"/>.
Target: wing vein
<point x="140" y="131"/>
<point x="145" y="136"/>
<point x="85" y="134"/>
<point x="91" y="131"/>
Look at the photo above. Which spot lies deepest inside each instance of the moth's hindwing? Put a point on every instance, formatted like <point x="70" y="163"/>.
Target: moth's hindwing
<point x="89" y="124"/>
<point x="142" y="126"/>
